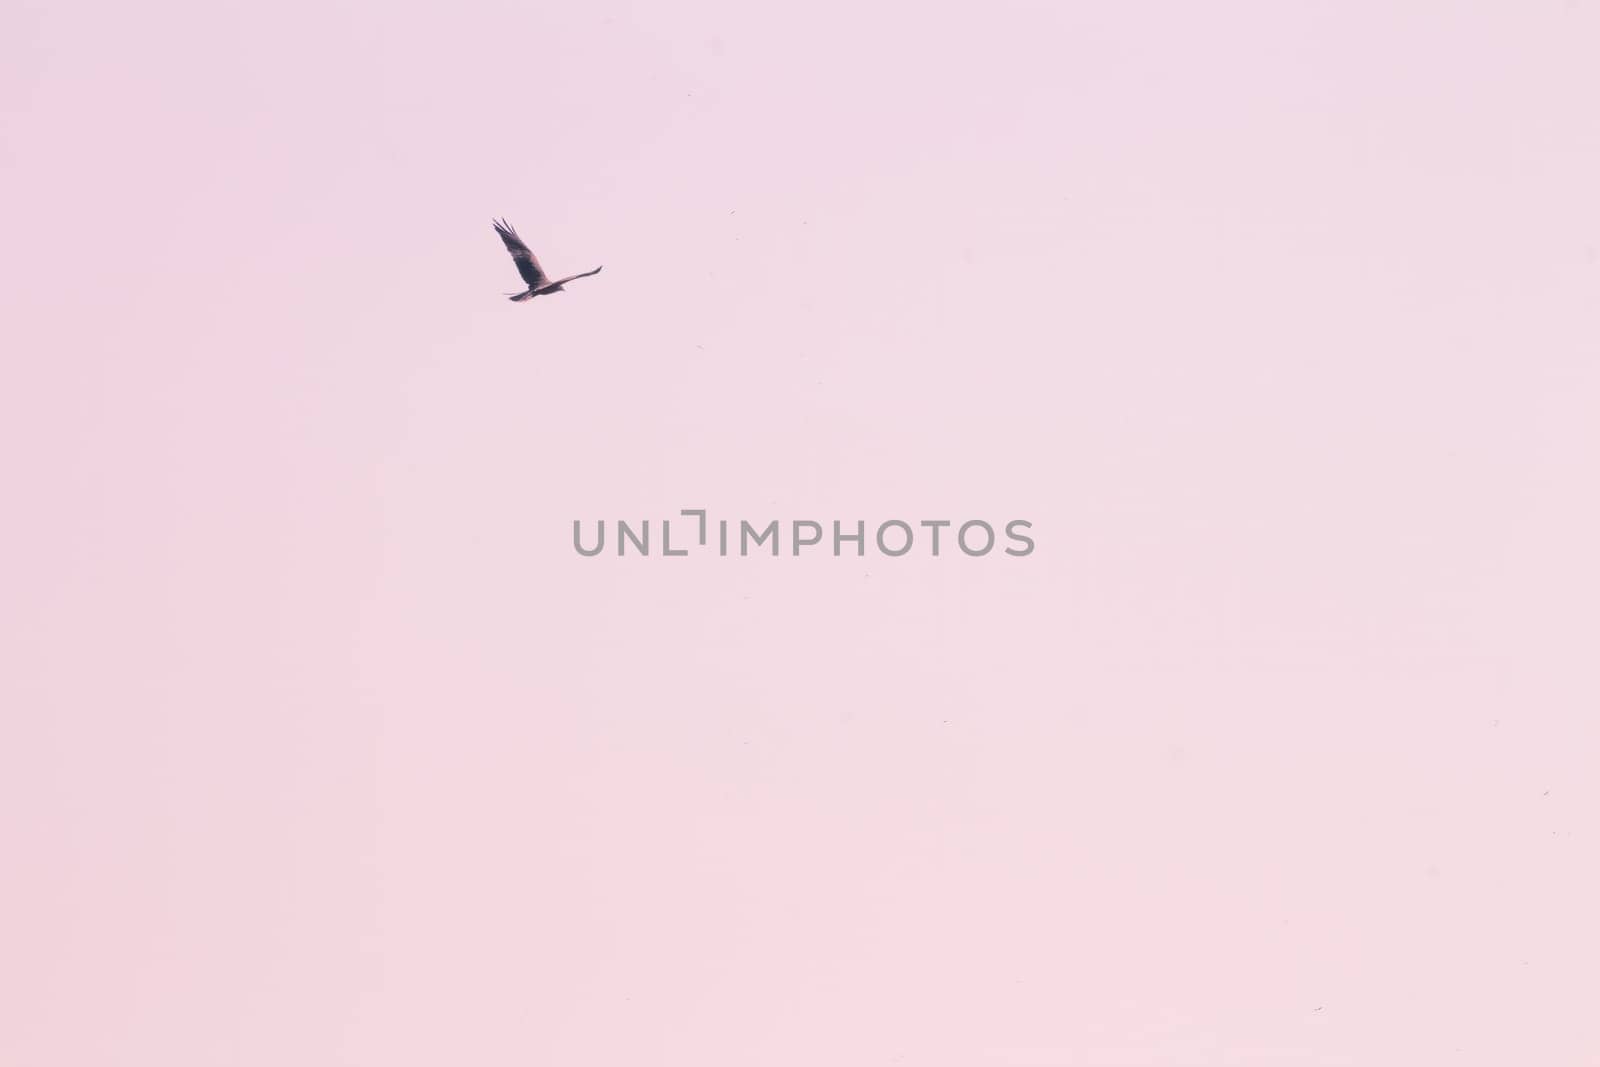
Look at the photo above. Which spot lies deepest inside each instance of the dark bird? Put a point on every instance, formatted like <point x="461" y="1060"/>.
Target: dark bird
<point x="539" y="282"/>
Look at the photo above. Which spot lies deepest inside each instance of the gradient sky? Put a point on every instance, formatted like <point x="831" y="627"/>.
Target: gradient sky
<point x="320" y="745"/>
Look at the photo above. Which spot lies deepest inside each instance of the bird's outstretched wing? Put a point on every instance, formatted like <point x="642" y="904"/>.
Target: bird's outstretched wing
<point x="527" y="266"/>
<point x="575" y="277"/>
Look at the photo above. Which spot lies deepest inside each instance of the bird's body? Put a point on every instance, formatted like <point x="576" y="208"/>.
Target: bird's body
<point x="539" y="283"/>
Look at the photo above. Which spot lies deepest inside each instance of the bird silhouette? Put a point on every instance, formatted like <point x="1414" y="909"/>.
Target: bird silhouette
<point x="539" y="283"/>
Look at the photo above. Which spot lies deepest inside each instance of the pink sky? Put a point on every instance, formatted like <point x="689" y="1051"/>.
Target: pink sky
<point x="320" y="745"/>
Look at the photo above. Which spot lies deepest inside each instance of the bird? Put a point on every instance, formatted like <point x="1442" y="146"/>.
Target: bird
<point x="539" y="283"/>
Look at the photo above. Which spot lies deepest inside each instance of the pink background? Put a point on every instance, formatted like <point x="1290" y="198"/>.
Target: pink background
<point x="1279" y="320"/>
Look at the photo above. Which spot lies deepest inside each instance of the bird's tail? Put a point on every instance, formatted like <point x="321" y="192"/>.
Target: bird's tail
<point x="523" y="296"/>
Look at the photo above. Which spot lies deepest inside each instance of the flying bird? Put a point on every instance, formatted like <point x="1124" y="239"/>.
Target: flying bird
<point x="539" y="282"/>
